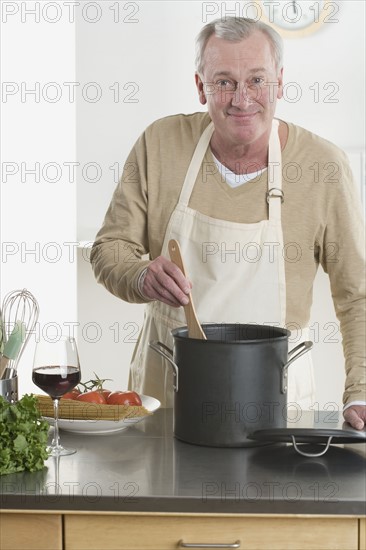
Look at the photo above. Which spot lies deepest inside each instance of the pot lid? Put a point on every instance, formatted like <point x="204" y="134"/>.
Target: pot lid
<point x="310" y="435"/>
<point x="325" y="429"/>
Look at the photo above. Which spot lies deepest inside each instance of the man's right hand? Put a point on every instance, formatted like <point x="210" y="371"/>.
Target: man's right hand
<point x="164" y="281"/>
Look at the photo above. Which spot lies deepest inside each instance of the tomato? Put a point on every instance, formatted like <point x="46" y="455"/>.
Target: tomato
<point x="124" y="398"/>
<point x="73" y="394"/>
<point x="92" y="397"/>
<point x="106" y="393"/>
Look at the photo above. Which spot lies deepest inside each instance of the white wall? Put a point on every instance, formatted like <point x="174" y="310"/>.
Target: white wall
<point x="149" y="52"/>
<point x="38" y="215"/>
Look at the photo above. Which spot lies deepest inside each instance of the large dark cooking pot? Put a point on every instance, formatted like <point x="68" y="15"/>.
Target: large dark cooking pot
<point x="231" y="384"/>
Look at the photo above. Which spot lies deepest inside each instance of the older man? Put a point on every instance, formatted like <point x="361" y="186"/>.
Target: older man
<point x="238" y="189"/>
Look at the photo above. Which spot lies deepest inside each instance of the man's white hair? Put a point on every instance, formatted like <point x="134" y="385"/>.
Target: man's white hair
<point x="235" y="29"/>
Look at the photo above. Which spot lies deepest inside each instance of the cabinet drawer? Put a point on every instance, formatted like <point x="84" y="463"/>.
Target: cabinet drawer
<point x="159" y="532"/>
<point x="30" y="531"/>
<point x="363" y="534"/>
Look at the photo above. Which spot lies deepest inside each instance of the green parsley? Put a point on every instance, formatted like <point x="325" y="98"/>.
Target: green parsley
<point x="23" y="436"/>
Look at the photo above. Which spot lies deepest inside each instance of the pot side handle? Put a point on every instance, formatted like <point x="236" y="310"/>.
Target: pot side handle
<point x="294" y="354"/>
<point x="167" y="353"/>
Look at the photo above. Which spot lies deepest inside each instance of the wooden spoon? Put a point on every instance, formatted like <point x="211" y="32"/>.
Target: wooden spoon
<point x="194" y="328"/>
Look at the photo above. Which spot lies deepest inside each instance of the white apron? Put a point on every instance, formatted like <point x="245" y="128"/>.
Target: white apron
<point x="238" y="276"/>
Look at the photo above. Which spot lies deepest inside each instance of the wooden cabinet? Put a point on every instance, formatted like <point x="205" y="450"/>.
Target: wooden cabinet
<point x="28" y="531"/>
<point x="362" y="534"/>
<point x="163" y="532"/>
<point x="122" y="531"/>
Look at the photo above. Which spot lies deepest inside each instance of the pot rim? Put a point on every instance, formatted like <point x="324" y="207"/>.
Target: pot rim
<point x="284" y="334"/>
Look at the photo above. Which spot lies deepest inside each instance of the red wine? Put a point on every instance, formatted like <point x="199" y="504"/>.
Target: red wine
<point x="56" y="380"/>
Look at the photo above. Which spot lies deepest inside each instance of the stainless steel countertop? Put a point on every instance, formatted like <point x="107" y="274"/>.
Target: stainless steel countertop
<point x="146" y="469"/>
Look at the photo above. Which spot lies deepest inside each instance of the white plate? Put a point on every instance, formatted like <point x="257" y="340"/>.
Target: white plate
<point x="103" y="427"/>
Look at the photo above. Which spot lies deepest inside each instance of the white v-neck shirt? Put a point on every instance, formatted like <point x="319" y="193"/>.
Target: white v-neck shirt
<point x="235" y="180"/>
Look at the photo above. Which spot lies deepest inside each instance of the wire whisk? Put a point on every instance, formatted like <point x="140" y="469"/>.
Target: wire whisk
<point x="18" y="306"/>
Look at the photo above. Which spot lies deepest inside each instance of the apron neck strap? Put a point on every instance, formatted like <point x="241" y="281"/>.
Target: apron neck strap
<point x="274" y="192"/>
<point x="195" y="165"/>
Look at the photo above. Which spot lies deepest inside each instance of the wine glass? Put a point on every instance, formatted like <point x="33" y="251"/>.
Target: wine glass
<point x="56" y="370"/>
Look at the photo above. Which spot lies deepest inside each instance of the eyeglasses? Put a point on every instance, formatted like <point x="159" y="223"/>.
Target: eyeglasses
<point x="252" y="91"/>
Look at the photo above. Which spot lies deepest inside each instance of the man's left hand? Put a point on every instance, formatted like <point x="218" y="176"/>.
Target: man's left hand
<point x="356" y="416"/>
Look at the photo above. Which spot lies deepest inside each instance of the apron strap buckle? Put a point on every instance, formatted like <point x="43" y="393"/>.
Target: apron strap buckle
<point x="275" y="193"/>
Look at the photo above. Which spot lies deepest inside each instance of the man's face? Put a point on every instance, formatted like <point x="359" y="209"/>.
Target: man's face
<point x="241" y="85"/>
